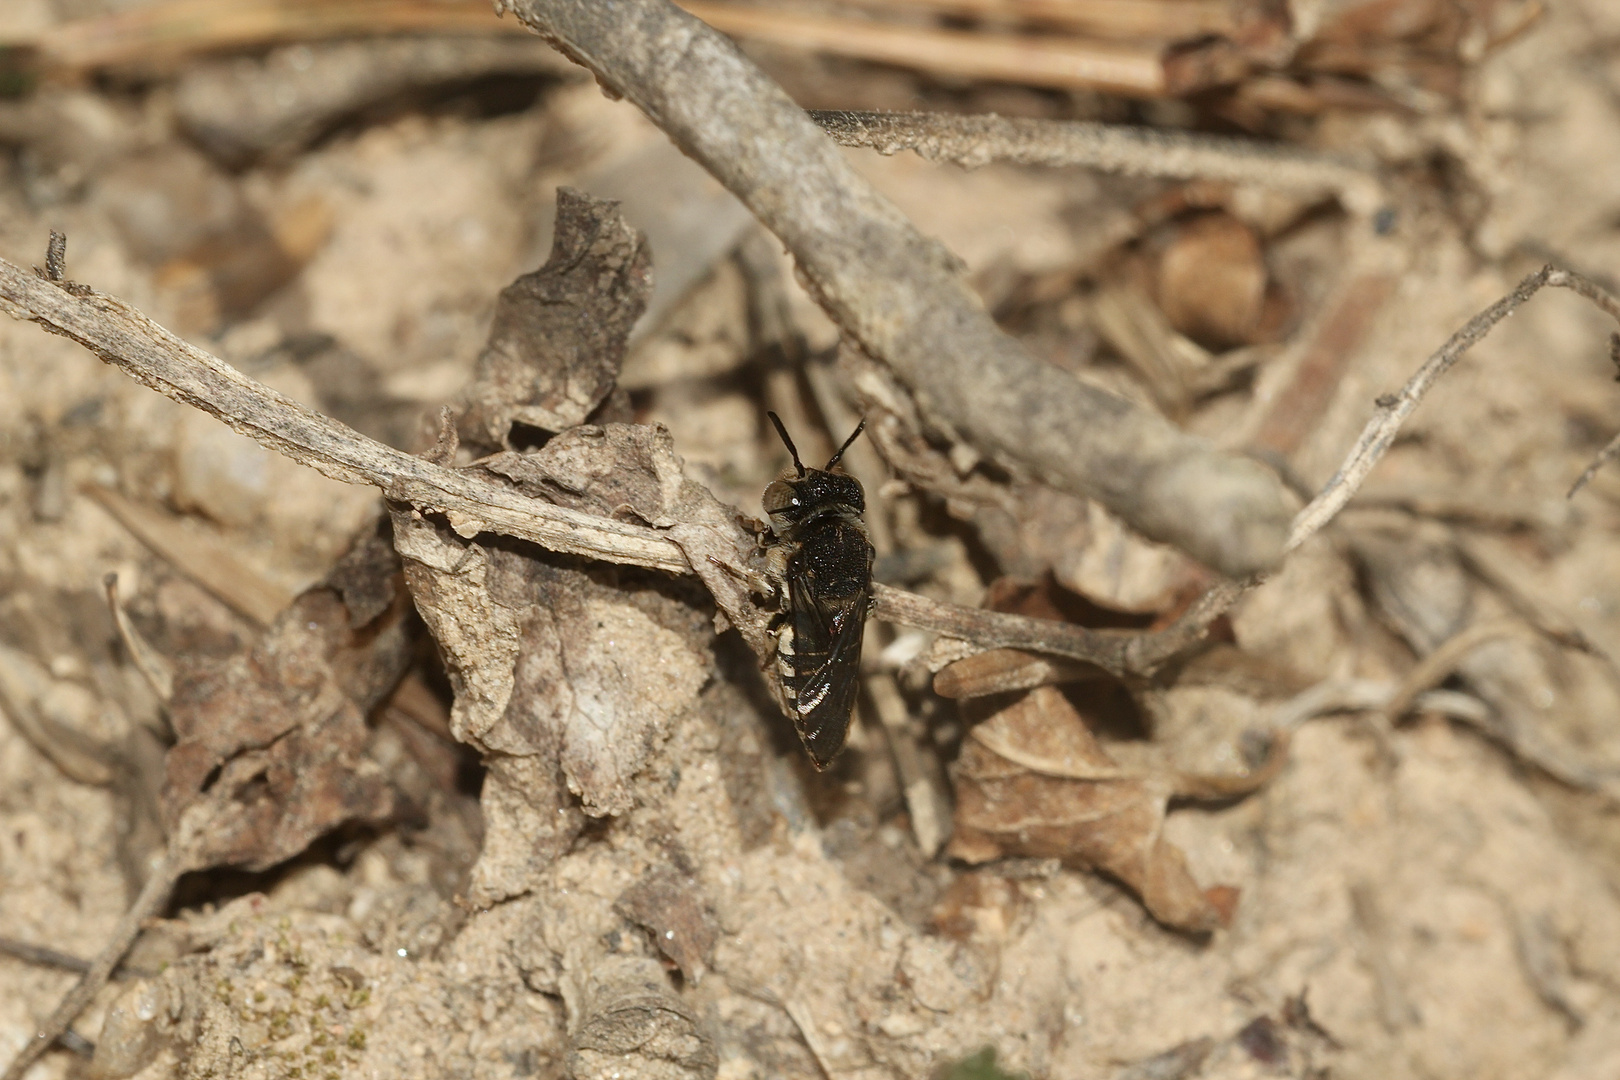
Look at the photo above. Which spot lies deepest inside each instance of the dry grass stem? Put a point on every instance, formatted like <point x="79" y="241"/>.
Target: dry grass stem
<point x="202" y="557"/>
<point x="1136" y="70"/>
<point x="155" y="668"/>
<point x="1131" y="151"/>
<point x="43" y="955"/>
<point x="171" y="30"/>
<point x="927" y="802"/>
<point x="1130" y="19"/>
<point x="1439" y="664"/>
<point x="1371" y="695"/>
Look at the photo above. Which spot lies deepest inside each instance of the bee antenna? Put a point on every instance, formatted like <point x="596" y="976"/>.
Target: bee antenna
<point x="782" y="431"/>
<point x="860" y="427"/>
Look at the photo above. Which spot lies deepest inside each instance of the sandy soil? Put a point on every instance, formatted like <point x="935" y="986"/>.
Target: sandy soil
<point x="1434" y="900"/>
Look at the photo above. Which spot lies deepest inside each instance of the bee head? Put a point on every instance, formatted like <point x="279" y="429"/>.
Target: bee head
<point x="799" y="494"/>
<point x="791" y="500"/>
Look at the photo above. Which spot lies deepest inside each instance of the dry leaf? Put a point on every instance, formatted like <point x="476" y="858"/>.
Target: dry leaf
<point x="1034" y="781"/>
<point x="1212" y="280"/>
<point x="566" y="676"/>
<point x="551" y="660"/>
<point x="270" y="739"/>
<point x="559" y="334"/>
<point x="671" y="907"/>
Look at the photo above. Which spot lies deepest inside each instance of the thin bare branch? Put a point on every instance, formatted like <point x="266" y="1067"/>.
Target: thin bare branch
<point x="1124" y="654"/>
<point x="123" y="336"/>
<point x="1609" y="453"/>
<point x="1393" y="409"/>
<point x="1606" y="301"/>
<point x="902" y="297"/>
<point x="972" y="141"/>
<point x="154" y="896"/>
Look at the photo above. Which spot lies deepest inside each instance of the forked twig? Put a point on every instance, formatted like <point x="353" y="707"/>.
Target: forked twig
<point x="1393" y="409"/>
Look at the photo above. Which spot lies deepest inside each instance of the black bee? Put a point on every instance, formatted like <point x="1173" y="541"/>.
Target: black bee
<point x="820" y="562"/>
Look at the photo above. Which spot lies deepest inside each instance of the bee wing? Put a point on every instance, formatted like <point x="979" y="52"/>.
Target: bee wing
<point x="826" y="694"/>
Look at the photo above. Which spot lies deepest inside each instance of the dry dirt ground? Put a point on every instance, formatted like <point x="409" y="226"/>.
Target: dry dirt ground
<point x="1436" y="898"/>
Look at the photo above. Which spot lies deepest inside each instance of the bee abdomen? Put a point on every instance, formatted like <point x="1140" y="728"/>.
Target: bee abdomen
<point x="786" y="663"/>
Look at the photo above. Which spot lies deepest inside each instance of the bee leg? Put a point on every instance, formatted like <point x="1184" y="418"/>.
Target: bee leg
<point x="758" y="583"/>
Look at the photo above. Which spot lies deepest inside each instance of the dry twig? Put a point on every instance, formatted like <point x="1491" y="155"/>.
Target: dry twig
<point x="153" y="896"/>
<point x="153" y="356"/>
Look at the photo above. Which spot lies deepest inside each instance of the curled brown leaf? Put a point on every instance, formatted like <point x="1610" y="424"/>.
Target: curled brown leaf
<point x="1033" y="780"/>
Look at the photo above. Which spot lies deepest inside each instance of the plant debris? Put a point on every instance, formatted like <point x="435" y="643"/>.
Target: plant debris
<point x="430" y="728"/>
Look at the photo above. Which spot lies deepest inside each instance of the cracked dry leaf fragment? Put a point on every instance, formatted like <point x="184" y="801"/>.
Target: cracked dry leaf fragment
<point x="565" y="676"/>
<point x="672" y="908"/>
<point x="270" y="740"/>
<point x="551" y="660"/>
<point x="1034" y="781"/>
<point x="559" y="333"/>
